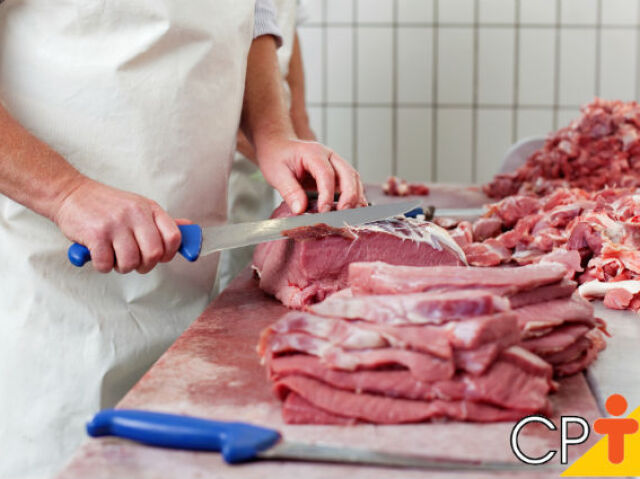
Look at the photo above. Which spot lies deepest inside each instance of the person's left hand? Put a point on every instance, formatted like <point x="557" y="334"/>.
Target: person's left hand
<point x="285" y="162"/>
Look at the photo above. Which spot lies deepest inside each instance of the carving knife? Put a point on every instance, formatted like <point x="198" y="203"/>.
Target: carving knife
<point x="242" y="442"/>
<point x="198" y="241"/>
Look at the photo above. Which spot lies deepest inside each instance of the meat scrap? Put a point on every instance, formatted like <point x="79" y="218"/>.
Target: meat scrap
<point x="596" y="235"/>
<point x="312" y="263"/>
<point x="395" y="186"/>
<point x="599" y="149"/>
<point x="407" y="344"/>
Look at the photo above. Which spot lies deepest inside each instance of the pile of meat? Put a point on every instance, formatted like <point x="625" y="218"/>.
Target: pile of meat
<point x="409" y="344"/>
<point x="595" y="234"/>
<point x="599" y="149"/>
<point x="395" y="186"/>
<point x="313" y="262"/>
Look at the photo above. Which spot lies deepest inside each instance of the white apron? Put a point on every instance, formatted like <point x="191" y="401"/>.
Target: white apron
<point x="250" y="196"/>
<point x="143" y="95"/>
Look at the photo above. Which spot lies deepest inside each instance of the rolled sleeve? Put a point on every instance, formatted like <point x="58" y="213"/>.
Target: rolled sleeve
<point x="266" y="22"/>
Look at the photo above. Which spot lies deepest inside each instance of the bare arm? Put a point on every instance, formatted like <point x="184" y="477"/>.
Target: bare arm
<point x="283" y="159"/>
<point x="119" y="228"/>
<point x="295" y="79"/>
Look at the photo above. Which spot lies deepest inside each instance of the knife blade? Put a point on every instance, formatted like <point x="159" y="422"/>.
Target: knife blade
<point x="240" y="442"/>
<point x="198" y="241"/>
<point x="431" y="212"/>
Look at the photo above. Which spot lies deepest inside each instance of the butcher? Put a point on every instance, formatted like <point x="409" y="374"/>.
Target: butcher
<point x="116" y="118"/>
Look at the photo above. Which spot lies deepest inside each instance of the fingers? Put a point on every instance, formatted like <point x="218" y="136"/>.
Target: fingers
<point x="127" y="252"/>
<point x="322" y="171"/>
<point x="349" y="181"/>
<point x="285" y="181"/>
<point x="169" y="233"/>
<point x="102" y="255"/>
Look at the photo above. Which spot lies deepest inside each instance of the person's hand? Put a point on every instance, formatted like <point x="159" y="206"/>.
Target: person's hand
<point x="122" y="230"/>
<point x="285" y="162"/>
<point x="244" y="147"/>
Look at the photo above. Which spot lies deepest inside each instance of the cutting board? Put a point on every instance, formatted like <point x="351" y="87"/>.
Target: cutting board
<point x="213" y="371"/>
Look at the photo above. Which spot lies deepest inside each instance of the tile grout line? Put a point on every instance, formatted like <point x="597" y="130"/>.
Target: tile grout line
<point x="516" y="72"/>
<point x="474" y="101"/>
<point x="489" y="106"/>
<point x="434" y="96"/>
<point x="637" y="90"/>
<point x="598" y="47"/>
<point x="354" y="86"/>
<point x="325" y="76"/>
<point x="533" y="26"/>
<point x="394" y="89"/>
<point x="556" y="66"/>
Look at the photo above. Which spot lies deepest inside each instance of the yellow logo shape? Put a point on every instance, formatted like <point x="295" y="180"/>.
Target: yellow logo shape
<point x="595" y="461"/>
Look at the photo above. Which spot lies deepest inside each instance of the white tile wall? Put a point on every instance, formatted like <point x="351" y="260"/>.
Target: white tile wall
<point x="494" y="138"/>
<point x="455" y="65"/>
<point x="414" y="143"/>
<point x="495" y="65"/>
<point x="538" y="11"/>
<point x="536" y="66"/>
<point x="415" y="62"/>
<point x="618" y="64"/>
<point x="375" y="71"/>
<point x="454" y="145"/>
<point x="374" y="143"/>
<point x="413" y="69"/>
<point x="577" y="66"/>
<point x="412" y="11"/>
<point x="339" y="64"/>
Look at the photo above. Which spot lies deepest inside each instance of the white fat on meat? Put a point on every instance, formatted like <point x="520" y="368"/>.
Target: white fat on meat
<point x="597" y="289"/>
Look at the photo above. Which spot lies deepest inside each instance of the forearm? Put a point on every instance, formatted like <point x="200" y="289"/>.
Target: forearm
<point x="31" y="172"/>
<point x="264" y="112"/>
<point x="295" y="80"/>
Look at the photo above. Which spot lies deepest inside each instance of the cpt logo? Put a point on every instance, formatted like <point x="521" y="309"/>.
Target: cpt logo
<point x="616" y="454"/>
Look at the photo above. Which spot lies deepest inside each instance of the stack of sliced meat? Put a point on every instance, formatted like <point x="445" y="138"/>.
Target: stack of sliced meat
<point x="599" y="149"/>
<point x="409" y="344"/>
<point x="313" y="262"/>
<point x="554" y="322"/>
<point x="596" y="235"/>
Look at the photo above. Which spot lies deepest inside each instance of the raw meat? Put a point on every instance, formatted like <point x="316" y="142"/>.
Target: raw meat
<point x="434" y="308"/>
<point x="542" y="294"/>
<point x="382" y="278"/>
<point x="306" y="269"/>
<point x="539" y="317"/>
<point x="599" y="149"/>
<point x="377" y="409"/>
<point x="395" y="186"/>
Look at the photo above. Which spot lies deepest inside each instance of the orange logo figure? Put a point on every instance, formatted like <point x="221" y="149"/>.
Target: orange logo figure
<point x="615" y="427"/>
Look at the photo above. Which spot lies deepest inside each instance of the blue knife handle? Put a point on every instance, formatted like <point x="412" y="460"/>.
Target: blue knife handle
<point x="190" y="246"/>
<point x="237" y="441"/>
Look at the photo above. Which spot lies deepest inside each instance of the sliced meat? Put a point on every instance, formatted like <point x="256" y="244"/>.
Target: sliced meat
<point x="557" y="340"/>
<point x="485" y="228"/>
<point x="562" y="289"/>
<point x="504" y="384"/>
<point x="581" y="363"/>
<point x="381" y="278"/>
<point x="619" y="298"/>
<point x="489" y="253"/>
<point x="419" y="308"/>
<point x="539" y="317"/>
<point x="383" y="410"/>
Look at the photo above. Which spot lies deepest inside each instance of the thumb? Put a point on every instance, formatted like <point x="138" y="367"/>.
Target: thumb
<point x="288" y="186"/>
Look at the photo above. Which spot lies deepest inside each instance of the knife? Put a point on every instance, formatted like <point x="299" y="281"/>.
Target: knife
<point x="240" y="442"/>
<point x="197" y="241"/>
<point x="431" y="212"/>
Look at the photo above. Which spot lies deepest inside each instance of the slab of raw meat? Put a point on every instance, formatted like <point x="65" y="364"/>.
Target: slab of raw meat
<point x="302" y="271"/>
<point x="417" y="308"/>
<point x="556" y="341"/>
<point x="540" y="318"/>
<point x="380" y="409"/>
<point x="587" y="357"/>
<point x="504" y="384"/>
<point x="501" y="328"/>
<point x="562" y="289"/>
<point x="600" y="148"/>
<point x="382" y="278"/>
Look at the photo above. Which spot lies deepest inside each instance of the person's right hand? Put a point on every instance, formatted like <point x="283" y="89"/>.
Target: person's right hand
<point x="122" y="230"/>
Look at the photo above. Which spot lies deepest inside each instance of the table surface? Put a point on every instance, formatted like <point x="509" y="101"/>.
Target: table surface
<point x="213" y="371"/>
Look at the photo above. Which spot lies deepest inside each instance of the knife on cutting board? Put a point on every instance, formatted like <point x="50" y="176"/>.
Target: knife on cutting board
<point x="240" y="442"/>
<point x="197" y="241"/>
